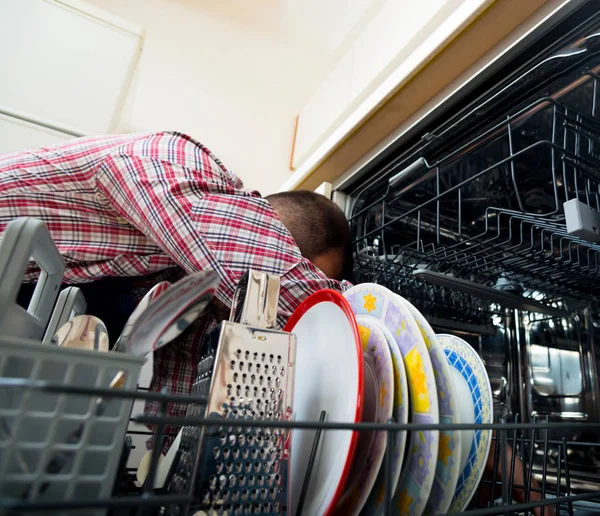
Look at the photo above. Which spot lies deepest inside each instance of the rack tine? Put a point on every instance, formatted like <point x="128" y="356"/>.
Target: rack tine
<point x="558" y="477"/>
<point x="513" y="461"/>
<point x="530" y="471"/>
<point x="545" y="465"/>
<point x="495" y="467"/>
<point x="567" y="475"/>
<point x="523" y="453"/>
<point x="503" y="457"/>
<point x="310" y="465"/>
<point x="389" y="453"/>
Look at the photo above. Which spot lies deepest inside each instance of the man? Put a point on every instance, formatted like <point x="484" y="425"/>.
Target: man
<point x="129" y="211"/>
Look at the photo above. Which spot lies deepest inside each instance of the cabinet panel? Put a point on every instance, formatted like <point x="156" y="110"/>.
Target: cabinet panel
<point x="65" y="62"/>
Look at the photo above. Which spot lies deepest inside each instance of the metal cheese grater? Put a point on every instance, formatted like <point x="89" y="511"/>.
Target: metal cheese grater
<point x="246" y="372"/>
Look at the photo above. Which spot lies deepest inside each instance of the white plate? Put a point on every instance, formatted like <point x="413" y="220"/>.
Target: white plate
<point x="375" y="503"/>
<point x="329" y="376"/>
<point x="472" y="384"/>
<point x="449" y="453"/>
<point x="417" y="477"/>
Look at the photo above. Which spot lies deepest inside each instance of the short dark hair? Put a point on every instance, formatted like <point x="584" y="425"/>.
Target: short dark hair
<point x="317" y="224"/>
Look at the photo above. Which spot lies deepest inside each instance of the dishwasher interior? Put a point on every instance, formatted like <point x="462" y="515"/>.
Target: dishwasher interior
<point x="468" y="221"/>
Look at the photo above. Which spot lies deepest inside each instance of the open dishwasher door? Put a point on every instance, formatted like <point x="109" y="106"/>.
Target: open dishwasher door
<point x="464" y="215"/>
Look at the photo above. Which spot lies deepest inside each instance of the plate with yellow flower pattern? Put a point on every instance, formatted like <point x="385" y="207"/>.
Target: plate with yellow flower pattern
<point x="378" y="405"/>
<point x="375" y="505"/>
<point x="417" y="477"/>
<point x="449" y="454"/>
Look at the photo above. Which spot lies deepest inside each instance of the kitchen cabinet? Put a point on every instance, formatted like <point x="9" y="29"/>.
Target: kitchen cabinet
<point x="460" y="49"/>
<point x="66" y="67"/>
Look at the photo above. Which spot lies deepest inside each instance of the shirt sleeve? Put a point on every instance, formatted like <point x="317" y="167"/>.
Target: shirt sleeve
<point x="195" y="211"/>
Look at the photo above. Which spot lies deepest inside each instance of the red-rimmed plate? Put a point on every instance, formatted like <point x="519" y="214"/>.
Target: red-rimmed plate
<point x="329" y="376"/>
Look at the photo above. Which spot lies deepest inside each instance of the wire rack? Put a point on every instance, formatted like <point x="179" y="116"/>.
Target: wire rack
<point x="509" y="486"/>
<point x="489" y="210"/>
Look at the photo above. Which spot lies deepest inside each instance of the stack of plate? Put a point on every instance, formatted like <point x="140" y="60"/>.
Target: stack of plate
<point x="371" y="356"/>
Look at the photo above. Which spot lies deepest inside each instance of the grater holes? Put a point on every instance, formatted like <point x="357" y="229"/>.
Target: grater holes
<point x="279" y="359"/>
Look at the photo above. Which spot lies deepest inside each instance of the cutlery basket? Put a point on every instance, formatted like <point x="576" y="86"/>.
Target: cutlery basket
<point x="54" y="447"/>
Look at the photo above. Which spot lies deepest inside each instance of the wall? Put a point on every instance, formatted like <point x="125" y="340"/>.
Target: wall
<point x="231" y="73"/>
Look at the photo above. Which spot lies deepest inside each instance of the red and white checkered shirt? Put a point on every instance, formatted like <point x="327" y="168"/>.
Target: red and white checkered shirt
<point x="134" y="205"/>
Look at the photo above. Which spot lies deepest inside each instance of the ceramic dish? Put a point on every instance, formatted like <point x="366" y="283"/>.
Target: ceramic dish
<point x="417" y="478"/>
<point x="378" y="408"/>
<point x="375" y="503"/>
<point x="472" y="384"/>
<point x="449" y="453"/>
<point x="328" y="376"/>
<point x="170" y="314"/>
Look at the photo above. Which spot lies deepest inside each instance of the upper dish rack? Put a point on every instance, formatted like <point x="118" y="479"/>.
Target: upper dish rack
<point x="483" y="227"/>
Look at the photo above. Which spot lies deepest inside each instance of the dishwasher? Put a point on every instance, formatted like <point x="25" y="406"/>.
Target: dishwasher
<point x="485" y="215"/>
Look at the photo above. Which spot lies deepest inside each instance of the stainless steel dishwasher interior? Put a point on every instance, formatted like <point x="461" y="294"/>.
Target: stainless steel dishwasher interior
<point x="474" y="215"/>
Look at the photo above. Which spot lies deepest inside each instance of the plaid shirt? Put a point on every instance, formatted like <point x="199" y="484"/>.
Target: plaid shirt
<point x="158" y="205"/>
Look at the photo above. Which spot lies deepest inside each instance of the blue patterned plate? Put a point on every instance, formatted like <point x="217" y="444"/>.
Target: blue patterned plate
<point x="417" y="477"/>
<point x="471" y="382"/>
<point x="449" y="454"/>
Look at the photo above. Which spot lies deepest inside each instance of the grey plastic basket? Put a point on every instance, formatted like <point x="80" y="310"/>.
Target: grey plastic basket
<point x="36" y="425"/>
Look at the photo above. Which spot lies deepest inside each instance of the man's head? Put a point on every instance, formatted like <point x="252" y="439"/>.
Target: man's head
<point x="319" y="228"/>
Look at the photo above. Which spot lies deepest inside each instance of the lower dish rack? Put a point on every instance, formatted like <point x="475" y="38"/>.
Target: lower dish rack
<point x="510" y="486"/>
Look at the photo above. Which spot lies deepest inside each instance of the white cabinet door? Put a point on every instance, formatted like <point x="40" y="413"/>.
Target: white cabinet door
<point x="17" y="135"/>
<point x="65" y="62"/>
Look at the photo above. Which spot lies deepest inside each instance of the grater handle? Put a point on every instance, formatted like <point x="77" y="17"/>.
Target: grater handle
<point x="256" y="300"/>
<point x="71" y="302"/>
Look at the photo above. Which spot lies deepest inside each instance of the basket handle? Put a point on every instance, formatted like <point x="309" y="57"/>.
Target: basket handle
<point x="23" y="239"/>
<point x="71" y="302"/>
